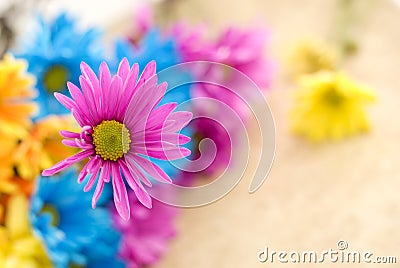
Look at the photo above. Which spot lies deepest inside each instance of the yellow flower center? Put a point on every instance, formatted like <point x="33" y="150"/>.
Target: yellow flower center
<point x="333" y="97"/>
<point x="55" y="78"/>
<point x="111" y="140"/>
<point x="55" y="217"/>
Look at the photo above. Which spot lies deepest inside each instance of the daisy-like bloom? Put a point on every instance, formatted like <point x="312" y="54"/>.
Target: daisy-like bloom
<point x="42" y="147"/>
<point x="54" y="55"/>
<point x="329" y="105"/>
<point x="310" y="56"/>
<point x="18" y="246"/>
<point x="165" y="52"/>
<point x="242" y="50"/>
<point x="73" y="233"/>
<point x="16" y="92"/>
<point x="145" y="236"/>
<point x="121" y="126"/>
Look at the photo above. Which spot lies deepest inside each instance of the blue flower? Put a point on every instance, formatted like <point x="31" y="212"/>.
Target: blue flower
<point x="54" y="56"/>
<point x="165" y="52"/>
<point x="73" y="232"/>
<point x="153" y="46"/>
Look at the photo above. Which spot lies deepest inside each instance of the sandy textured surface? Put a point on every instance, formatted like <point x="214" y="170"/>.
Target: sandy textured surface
<point x="314" y="195"/>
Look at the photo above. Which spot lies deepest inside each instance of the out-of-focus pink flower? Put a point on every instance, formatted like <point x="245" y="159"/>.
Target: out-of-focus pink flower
<point x="145" y="236"/>
<point x="244" y="50"/>
<point x="209" y="129"/>
<point x="143" y="20"/>
<point x="192" y="42"/>
<point x="241" y="49"/>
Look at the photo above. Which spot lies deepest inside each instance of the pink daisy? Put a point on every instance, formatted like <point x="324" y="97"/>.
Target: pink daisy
<point x="121" y="127"/>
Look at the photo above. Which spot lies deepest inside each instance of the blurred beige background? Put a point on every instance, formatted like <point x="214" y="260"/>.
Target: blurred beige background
<point x="314" y="195"/>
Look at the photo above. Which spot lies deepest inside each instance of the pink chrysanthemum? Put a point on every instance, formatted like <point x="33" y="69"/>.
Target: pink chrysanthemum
<point x="244" y="50"/>
<point x="146" y="234"/>
<point x="122" y="126"/>
<point x="239" y="51"/>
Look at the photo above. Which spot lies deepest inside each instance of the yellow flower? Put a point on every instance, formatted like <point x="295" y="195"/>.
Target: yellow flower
<point x="330" y="105"/>
<point x="8" y="145"/>
<point x="18" y="246"/>
<point x="310" y="56"/>
<point x="42" y="148"/>
<point x="15" y="93"/>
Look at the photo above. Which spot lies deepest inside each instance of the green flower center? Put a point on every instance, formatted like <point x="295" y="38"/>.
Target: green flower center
<point x="55" y="217"/>
<point x="111" y="140"/>
<point x="55" y="78"/>
<point x="333" y="97"/>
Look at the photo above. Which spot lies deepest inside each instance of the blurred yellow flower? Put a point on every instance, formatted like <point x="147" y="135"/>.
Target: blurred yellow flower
<point x="18" y="246"/>
<point x="8" y="145"/>
<point x="15" y="93"/>
<point x="330" y="105"/>
<point x="14" y="184"/>
<point x="310" y="56"/>
<point x="43" y="147"/>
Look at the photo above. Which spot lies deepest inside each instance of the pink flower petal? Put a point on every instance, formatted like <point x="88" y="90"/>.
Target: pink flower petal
<point x="105" y="81"/>
<point x="179" y="120"/>
<point x="164" y="154"/>
<point x="64" y="100"/>
<point x="152" y="169"/>
<point x="106" y="172"/>
<point x="159" y="115"/>
<point x="123" y="69"/>
<point x="70" y="143"/>
<point x="148" y="72"/>
<point x="120" y="194"/>
<point x="143" y="101"/>
<point x="114" y="95"/>
<point x="94" y="170"/>
<point x="84" y="172"/>
<point x="97" y="192"/>
<point x="69" y="134"/>
<point x="135" y="184"/>
<point x="138" y="174"/>
<point x="129" y="89"/>
<point x="67" y="162"/>
<point x="88" y="94"/>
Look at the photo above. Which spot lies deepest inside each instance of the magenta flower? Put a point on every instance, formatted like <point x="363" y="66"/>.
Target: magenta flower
<point x="143" y="20"/>
<point x="241" y="49"/>
<point x="244" y="50"/>
<point x="122" y="125"/>
<point x="221" y="136"/>
<point x="191" y="42"/>
<point x="145" y="235"/>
